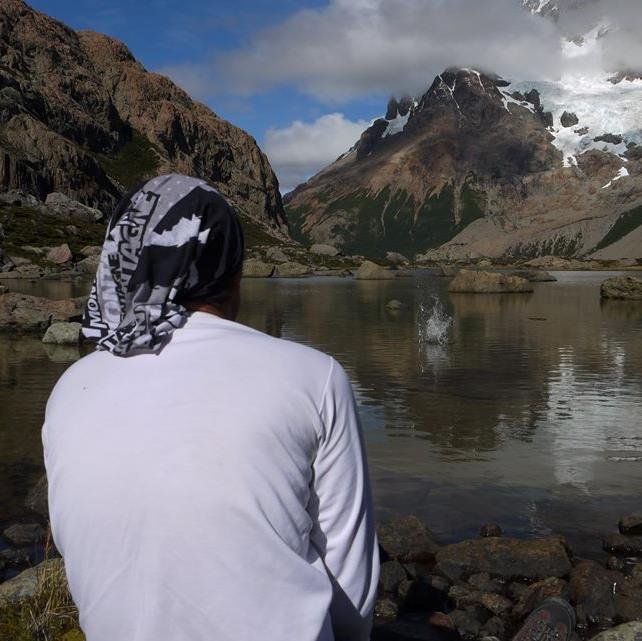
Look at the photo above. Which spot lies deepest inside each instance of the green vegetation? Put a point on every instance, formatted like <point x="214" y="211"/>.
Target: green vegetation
<point x="135" y="161"/>
<point x="49" y="614"/>
<point x="27" y="226"/>
<point x="255" y="234"/>
<point x="560" y="246"/>
<point x="372" y="224"/>
<point x="624" y="225"/>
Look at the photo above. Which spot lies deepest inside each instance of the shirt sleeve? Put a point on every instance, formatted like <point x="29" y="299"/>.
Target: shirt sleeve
<point x="344" y="532"/>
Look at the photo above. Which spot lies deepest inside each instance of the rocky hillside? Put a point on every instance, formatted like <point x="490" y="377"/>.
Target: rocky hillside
<point x="477" y="167"/>
<point x="79" y="115"/>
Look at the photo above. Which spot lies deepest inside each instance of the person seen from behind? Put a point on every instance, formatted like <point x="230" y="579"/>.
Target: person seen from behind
<point x="207" y="482"/>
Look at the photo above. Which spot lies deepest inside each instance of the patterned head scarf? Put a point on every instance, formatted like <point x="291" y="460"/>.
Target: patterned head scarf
<point x="171" y="239"/>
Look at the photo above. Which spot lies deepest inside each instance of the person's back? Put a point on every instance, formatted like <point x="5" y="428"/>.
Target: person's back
<point x="213" y="490"/>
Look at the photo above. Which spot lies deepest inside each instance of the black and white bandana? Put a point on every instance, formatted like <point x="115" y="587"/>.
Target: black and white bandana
<point x="171" y="239"/>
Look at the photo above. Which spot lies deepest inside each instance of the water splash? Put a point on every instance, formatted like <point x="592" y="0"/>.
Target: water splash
<point x="434" y="323"/>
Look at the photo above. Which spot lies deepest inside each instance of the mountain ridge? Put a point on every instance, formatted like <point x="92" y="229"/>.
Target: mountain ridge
<point x="477" y="169"/>
<point x="80" y="115"/>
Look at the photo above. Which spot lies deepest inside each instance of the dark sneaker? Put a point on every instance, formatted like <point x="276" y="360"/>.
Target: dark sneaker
<point x="552" y="620"/>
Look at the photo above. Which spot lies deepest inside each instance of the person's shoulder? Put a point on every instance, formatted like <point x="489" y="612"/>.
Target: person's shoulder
<point x="293" y="351"/>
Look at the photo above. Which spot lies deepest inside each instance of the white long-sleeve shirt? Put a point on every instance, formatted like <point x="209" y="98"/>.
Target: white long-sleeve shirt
<point x="215" y="492"/>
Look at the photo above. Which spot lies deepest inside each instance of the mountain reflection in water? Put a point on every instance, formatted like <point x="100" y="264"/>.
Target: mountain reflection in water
<point x="530" y="416"/>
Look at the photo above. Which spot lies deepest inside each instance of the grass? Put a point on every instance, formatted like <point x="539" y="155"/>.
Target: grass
<point x="27" y="226"/>
<point x="134" y="162"/>
<point x="254" y="234"/>
<point x="49" y="614"/>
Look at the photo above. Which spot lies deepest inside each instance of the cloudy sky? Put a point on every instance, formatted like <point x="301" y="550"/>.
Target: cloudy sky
<point x="306" y="77"/>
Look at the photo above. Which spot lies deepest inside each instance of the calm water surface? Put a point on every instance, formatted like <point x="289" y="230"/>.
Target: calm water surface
<point x="530" y="417"/>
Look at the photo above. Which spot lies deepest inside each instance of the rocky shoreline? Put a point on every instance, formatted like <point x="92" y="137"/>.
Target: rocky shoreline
<point x="485" y="586"/>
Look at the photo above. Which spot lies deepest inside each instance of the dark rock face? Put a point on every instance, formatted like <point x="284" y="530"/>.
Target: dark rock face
<point x="79" y="115"/>
<point x="628" y="599"/>
<point x="611" y="138"/>
<point x="370" y="138"/>
<point x="506" y="558"/>
<point x="23" y="534"/>
<point x="37" y="500"/>
<point x="390" y="576"/>
<point x="407" y="539"/>
<point x="592" y="591"/>
<point x="392" y="110"/>
<point x="569" y="119"/>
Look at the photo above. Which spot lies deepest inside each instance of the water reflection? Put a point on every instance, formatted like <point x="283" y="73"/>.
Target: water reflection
<point x="530" y="416"/>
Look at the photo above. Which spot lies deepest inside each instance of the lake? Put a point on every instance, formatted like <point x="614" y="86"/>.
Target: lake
<point x="530" y="417"/>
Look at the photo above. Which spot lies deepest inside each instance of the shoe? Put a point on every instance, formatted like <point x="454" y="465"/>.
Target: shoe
<point x="552" y="620"/>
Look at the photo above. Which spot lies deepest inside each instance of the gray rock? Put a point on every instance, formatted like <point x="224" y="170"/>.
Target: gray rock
<point x="494" y="628"/>
<point x="62" y="334"/>
<point x="18" y="198"/>
<point x="37" y="500"/>
<point x="59" y="255"/>
<point x="628" y="599"/>
<point x="490" y="530"/>
<point x="292" y="270"/>
<point x="22" y="534"/>
<point x="3" y="289"/>
<point x="626" y="632"/>
<point x="569" y="119"/>
<point x="613" y="139"/>
<point x="407" y="539"/>
<point x="324" y="250"/>
<point x="91" y="250"/>
<point x="480" y="282"/>
<point x="254" y="268"/>
<point x="505" y="557"/>
<point x="15" y="558"/>
<point x="88" y="265"/>
<point x="25" y="585"/>
<point x="631" y="525"/>
<point x="534" y="275"/>
<point x="6" y="264"/>
<point x="390" y="576"/>
<point x="276" y="255"/>
<point x="62" y="353"/>
<point x="371" y="271"/>
<point x="60" y="205"/>
<point x="397" y="259"/>
<point x="623" y="545"/>
<point x="463" y="596"/>
<point x="395" y="305"/>
<point x="622" y="287"/>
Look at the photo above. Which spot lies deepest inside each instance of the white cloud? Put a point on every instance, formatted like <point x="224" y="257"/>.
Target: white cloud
<point x="354" y="47"/>
<point x="298" y="151"/>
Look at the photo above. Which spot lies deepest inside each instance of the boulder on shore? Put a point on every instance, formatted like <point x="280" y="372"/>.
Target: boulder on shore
<point x="255" y="268"/>
<point x="534" y="275"/>
<point x="324" y="250"/>
<point x="480" y="282"/>
<point x="32" y="313"/>
<point x="624" y="545"/>
<point x="292" y="270"/>
<point x="25" y="585"/>
<point x="22" y="534"/>
<point x="88" y="265"/>
<point x="38" y="498"/>
<point x="407" y="539"/>
<point x="276" y="255"/>
<point x="622" y="287"/>
<point x="371" y="271"/>
<point x="59" y="255"/>
<point x="61" y="333"/>
<point x="506" y="558"/>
